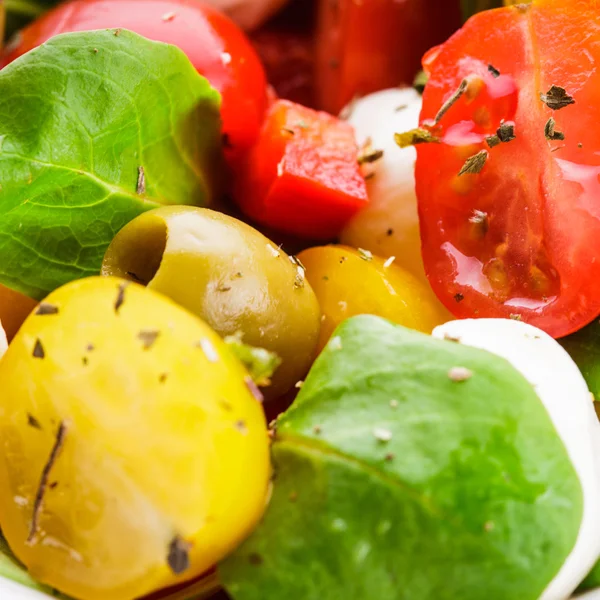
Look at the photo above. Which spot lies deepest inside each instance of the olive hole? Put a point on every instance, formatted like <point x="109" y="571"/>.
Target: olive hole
<point x="137" y="250"/>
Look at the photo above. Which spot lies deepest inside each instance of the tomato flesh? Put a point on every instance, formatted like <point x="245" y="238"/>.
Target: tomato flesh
<point x="215" y="45"/>
<point x="302" y="177"/>
<point x="521" y="238"/>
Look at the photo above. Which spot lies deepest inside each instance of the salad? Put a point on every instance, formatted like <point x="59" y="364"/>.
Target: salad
<point x="299" y="300"/>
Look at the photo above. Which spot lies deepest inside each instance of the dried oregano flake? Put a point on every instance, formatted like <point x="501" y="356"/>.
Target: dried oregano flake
<point x="141" y="181"/>
<point x="493" y="71"/>
<point x="120" y="296"/>
<point x="46" y="309"/>
<point x="38" y="350"/>
<point x="148" y="337"/>
<point x="556" y="98"/>
<point x="451" y="101"/>
<point x="474" y="164"/>
<point x="550" y="131"/>
<point x="43" y="484"/>
<point x="178" y="557"/>
<point x="506" y="132"/>
<point x="414" y="137"/>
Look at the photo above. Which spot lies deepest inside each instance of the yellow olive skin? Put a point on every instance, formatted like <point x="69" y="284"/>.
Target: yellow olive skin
<point x="133" y="453"/>
<point x="351" y="282"/>
<point x="228" y="274"/>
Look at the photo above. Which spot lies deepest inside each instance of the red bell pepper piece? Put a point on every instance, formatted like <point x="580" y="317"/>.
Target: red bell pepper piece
<point x="302" y="177"/>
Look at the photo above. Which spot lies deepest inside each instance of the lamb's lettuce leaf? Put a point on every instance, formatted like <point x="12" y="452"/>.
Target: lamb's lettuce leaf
<point x="95" y="128"/>
<point x="399" y="476"/>
<point x="592" y="581"/>
<point x="584" y="348"/>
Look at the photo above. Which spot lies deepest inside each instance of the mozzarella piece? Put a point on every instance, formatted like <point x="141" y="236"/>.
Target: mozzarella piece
<point x="3" y="341"/>
<point x="248" y="14"/>
<point x="565" y="395"/>
<point x="389" y="226"/>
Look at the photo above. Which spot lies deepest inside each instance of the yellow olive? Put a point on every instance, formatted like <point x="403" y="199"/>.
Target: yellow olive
<point x="134" y="453"/>
<point x="227" y="273"/>
<point x="351" y="282"/>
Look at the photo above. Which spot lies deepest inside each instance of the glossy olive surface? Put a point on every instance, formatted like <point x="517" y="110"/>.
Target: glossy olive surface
<point x="134" y="454"/>
<point x="230" y="275"/>
<point x="350" y="282"/>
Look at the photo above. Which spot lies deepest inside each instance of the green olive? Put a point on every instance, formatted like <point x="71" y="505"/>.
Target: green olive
<point x="227" y="273"/>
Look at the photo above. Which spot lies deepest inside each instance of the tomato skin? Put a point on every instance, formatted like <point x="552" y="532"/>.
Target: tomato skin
<point x="347" y="284"/>
<point x="215" y="45"/>
<point x="302" y="177"/>
<point x="367" y="46"/>
<point x="521" y="238"/>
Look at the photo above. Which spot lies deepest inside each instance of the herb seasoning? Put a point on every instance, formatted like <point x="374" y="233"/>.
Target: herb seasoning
<point x="556" y="98"/>
<point x="178" y="557"/>
<point x="33" y="422"/>
<point x="41" y="490"/>
<point x="120" y="296"/>
<point x="141" y="181"/>
<point x="46" y="309"/>
<point x="551" y="133"/>
<point x="493" y="71"/>
<point x="474" y="164"/>
<point x="414" y="137"/>
<point x="38" y="350"/>
<point x="451" y="101"/>
<point x="460" y="374"/>
<point x="148" y="338"/>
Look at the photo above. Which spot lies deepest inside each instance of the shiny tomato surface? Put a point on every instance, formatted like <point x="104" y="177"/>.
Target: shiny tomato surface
<point x="521" y="238"/>
<point x="215" y="45"/>
<point x="370" y="45"/>
<point x="302" y="177"/>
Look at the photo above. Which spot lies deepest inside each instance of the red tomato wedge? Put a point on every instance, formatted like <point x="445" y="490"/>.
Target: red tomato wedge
<point x="302" y="177"/>
<point x="521" y="238"/>
<point x="215" y="45"/>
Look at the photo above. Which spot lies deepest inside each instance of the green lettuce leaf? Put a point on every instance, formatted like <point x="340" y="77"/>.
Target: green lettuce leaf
<point x="399" y="477"/>
<point x="584" y="348"/>
<point x="259" y="362"/>
<point x="80" y="117"/>
<point x="592" y="581"/>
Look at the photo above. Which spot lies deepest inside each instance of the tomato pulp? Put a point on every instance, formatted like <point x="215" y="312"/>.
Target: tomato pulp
<point x="215" y="45"/>
<point x="521" y="237"/>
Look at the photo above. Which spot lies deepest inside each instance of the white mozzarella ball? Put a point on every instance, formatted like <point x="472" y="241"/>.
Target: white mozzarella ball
<point x="565" y="395"/>
<point x="389" y="226"/>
